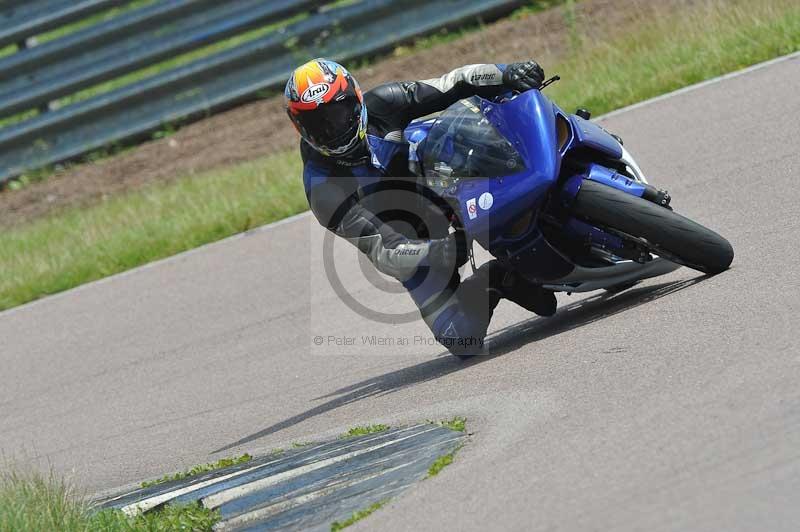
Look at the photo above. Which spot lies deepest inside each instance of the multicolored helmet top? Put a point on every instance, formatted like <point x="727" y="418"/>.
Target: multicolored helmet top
<point x="326" y="106"/>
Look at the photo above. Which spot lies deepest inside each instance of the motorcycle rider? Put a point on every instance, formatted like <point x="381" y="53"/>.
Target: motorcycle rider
<point x="352" y="146"/>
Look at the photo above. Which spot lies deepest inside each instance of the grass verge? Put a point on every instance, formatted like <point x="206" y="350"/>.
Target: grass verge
<point x="35" y="502"/>
<point x="199" y="470"/>
<point x="650" y="58"/>
<point x="647" y="59"/>
<point x="81" y="245"/>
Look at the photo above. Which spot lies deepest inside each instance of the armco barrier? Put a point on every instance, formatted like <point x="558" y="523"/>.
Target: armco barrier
<point x="138" y="39"/>
<point x="20" y="20"/>
<point x="208" y="84"/>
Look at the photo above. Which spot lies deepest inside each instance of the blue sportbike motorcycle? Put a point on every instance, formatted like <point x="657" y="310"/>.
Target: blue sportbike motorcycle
<point x="554" y="196"/>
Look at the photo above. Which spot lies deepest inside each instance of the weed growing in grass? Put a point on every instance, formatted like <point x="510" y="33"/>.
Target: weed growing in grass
<point x="36" y="502"/>
<point x="363" y="431"/>
<point x="440" y="463"/>
<point x="571" y="21"/>
<point x="458" y="424"/>
<point x="27" y="178"/>
<point x="167" y="130"/>
<point x="192" y="517"/>
<point x="199" y="469"/>
<point x="534" y="6"/>
<point x="357" y="516"/>
<point x="39" y="503"/>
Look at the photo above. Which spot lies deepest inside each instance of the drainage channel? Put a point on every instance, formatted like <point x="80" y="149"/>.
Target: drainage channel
<point x="307" y="488"/>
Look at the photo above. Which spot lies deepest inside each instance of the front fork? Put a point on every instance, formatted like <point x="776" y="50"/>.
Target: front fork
<point x="598" y="239"/>
<point x="614" y="179"/>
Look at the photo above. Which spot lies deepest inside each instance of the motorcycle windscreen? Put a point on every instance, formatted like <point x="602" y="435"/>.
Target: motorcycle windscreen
<point x="493" y="161"/>
<point x="463" y="144"/>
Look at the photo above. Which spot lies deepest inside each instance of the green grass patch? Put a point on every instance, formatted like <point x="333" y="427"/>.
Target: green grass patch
<point x="357" y="516"/>
<point x="534" y="6"/>
<point x="363" y="431"/>
<point x="199" y="470"/>
<point x="36" y="502"/>
<point x="189" y="517"/>
<point x="440" y="463"/>
<point x="458" y="424"/>
<point x="448" y="35"/>
<point x="80" y="245"/>
<point x="647" y="59"/>
<point x="652" y="58"/>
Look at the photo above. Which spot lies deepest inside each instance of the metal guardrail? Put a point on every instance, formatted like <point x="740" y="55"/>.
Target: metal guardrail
<point x="135" y="40"/>
<point x="21" y="20"/>
<point x="202" y="86"/>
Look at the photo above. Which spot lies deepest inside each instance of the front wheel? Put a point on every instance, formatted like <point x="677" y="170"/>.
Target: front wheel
<point x="663" y="231"/>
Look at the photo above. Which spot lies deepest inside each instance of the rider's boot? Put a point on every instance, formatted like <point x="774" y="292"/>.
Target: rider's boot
<point x="479" y="291"/>
<point x="524" y="293"/>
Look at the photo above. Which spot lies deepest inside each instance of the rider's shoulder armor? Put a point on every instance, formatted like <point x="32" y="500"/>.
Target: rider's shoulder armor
<point x="386" y="105"/>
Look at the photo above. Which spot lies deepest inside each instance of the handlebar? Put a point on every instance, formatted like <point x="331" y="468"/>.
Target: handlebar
<point x="550" y="81"/>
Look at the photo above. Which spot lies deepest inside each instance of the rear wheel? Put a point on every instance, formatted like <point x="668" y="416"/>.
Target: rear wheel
<point x="665" y="232"/>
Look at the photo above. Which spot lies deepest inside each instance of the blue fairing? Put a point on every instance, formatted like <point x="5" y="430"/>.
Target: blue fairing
<point x="604" y="175"/>
<point x="478" y="137"/>
<point x="592" y="136"/>
<point x="528" y="122"/>
<point x="414" y="135"/>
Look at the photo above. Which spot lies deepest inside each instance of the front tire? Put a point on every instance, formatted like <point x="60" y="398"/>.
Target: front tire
<point x="666" y="233"/>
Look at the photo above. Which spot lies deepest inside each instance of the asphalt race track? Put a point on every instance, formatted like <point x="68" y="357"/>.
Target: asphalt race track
<point x="672" y="406"/>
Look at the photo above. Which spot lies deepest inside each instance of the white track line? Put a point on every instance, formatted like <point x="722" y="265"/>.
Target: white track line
<point x="263" y="512"/>
<point x="276" y="507"/>
<point x="218" y="499"/>
<point x="273" y="225"/>
<point x="149" y="503"/>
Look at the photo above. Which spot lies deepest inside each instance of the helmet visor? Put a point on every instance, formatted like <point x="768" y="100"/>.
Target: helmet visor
<point x="332" y="125"/>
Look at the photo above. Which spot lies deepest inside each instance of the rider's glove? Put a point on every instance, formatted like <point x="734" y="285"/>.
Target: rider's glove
<point x="523" y="76"/>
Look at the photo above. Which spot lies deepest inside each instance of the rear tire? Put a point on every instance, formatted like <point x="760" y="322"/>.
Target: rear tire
<point x="667" y="233"/>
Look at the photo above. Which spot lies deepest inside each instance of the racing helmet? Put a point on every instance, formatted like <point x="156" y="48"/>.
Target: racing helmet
<point x="325" y="104"/>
